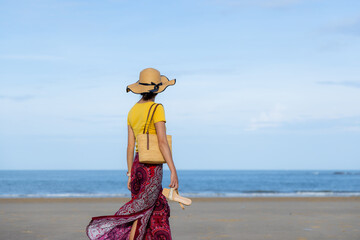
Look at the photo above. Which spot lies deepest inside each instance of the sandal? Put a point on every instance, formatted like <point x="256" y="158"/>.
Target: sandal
<point x="173" y="194"/>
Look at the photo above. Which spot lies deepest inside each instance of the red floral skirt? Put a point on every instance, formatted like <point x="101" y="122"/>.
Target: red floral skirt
<point x="147" y="205"/>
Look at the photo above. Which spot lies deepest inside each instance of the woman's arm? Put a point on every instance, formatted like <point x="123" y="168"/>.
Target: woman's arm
<point x="165" y="150"/>
<point x="130" y="151"/>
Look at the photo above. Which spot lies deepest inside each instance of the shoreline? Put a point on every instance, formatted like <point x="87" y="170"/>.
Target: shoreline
<point x="194" y="199"/>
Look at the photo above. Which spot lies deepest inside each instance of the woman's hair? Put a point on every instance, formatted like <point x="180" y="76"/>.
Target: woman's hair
<point x="148" y="95"/>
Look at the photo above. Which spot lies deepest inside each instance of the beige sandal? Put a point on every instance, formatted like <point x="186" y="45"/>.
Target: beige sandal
<point x="173" y="194"/>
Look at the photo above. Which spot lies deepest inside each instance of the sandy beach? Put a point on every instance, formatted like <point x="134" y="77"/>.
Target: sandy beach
<point x="207" y="218"/>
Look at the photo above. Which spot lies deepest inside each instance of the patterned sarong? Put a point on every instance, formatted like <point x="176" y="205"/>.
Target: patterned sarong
<point x="147" y="205"/>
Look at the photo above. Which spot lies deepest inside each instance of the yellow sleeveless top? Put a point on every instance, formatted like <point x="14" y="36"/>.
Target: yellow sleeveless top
<point x="137" y="117"/>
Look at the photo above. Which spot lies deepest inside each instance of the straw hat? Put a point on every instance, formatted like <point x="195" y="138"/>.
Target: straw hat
<point x="150" y="80"/>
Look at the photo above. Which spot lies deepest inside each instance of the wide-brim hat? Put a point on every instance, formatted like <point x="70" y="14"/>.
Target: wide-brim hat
<point x="150" y="80"/>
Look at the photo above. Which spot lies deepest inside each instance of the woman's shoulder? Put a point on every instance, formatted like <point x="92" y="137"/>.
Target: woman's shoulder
<point x="160" y="105"/>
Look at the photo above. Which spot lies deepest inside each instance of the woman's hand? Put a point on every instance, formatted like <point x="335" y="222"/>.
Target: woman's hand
<point x="174" y="182"/>
<point x="129" y="183"/>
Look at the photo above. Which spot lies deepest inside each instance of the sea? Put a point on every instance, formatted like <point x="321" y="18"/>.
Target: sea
<point x="192" y="183"/>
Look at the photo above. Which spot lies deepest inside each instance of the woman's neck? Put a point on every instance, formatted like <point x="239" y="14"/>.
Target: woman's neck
<point x="144" y="101"/>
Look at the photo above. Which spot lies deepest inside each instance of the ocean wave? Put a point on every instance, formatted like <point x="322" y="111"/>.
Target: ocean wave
<point x="193" y="195"/>
<point x="346" y="173"/>
<point x="66" y="195"/>
<point x="275" y="194"/>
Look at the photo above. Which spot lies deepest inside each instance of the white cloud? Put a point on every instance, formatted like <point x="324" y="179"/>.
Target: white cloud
<point x="272" y="118"/>
<point x="194" y="105"/>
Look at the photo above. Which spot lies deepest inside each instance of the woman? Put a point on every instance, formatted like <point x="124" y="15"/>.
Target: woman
<point x="146" y="215"/>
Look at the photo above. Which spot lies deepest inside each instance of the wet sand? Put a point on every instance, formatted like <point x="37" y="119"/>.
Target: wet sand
<point x="207" y="218"/>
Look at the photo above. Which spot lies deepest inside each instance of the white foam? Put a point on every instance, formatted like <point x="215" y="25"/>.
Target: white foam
<point x="65" y="195"/>
<point x="190" y="194"/>
<point x="295" y="194"/>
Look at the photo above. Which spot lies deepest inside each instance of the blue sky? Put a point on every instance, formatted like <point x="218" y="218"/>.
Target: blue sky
<point x="261" y="84"/>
